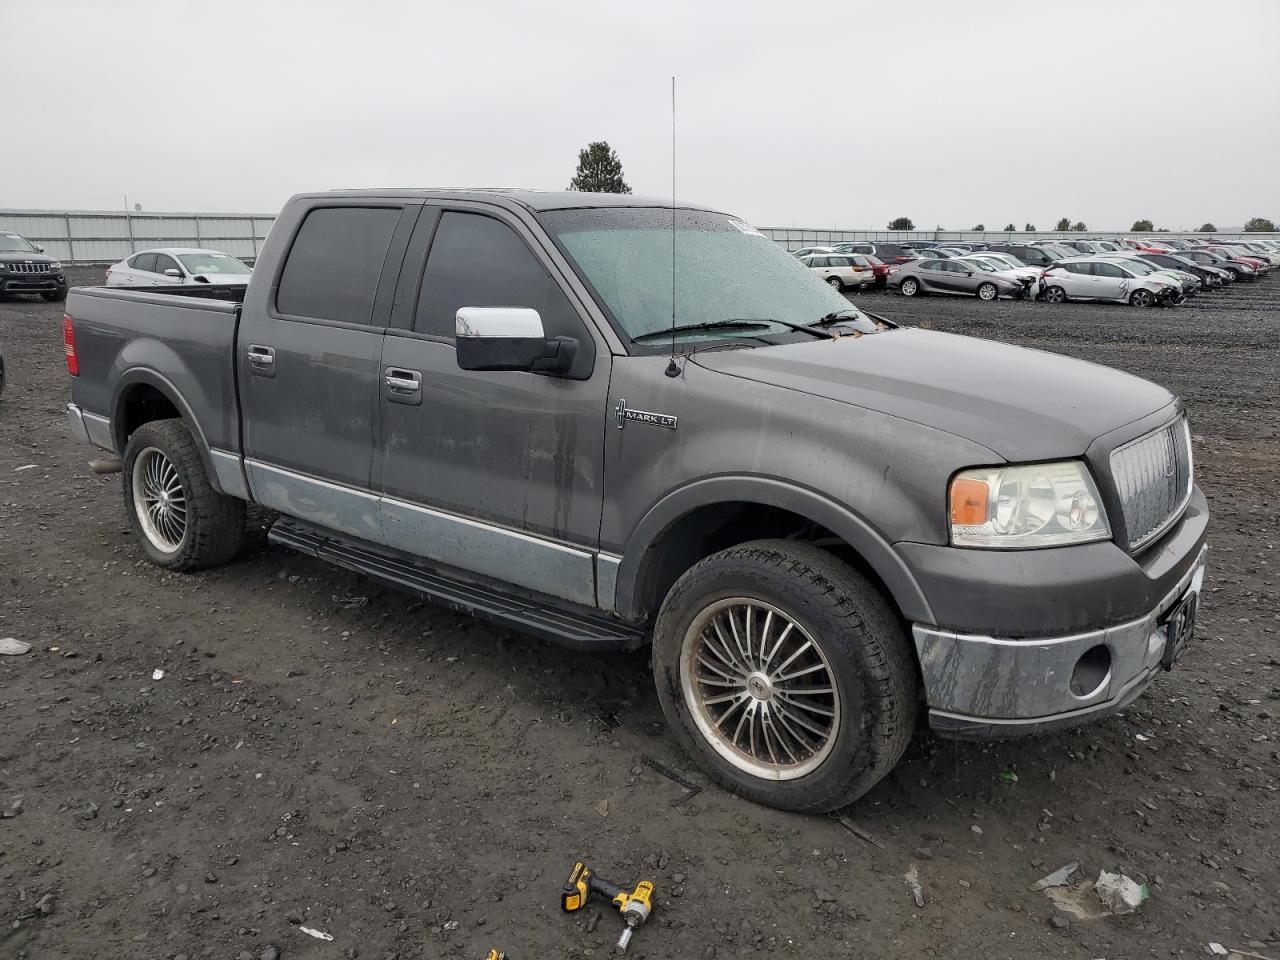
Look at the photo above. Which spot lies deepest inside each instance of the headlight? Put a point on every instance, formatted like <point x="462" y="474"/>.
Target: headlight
<point x="56" y="265"/>
<point x="1017" y="507"/>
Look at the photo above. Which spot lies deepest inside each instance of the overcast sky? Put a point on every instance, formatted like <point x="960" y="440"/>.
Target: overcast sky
<point x="817" y="114"/>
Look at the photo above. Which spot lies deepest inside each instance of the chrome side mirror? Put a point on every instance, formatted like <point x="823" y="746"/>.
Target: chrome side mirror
<point x="173" y="272"/>
<point x="509" y="338"/>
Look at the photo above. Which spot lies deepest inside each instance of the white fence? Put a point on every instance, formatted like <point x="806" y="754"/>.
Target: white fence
<point x="100" y="236"/>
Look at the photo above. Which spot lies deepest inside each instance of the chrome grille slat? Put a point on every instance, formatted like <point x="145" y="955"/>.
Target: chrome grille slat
<point x="1153" y="478"/>
<point x="28" y="267"/>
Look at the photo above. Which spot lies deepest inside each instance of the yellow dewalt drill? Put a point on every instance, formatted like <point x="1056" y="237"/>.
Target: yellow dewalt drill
<point x="635" y="905"/>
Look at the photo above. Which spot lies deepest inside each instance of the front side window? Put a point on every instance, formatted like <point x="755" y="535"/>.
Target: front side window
<point x="164" y="262"/>
<point x="334" y="264"/>
<point x="724" y="270"/>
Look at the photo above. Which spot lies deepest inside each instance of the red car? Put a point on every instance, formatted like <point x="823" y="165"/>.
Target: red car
<point x="1149" y="246"/>
<point x="879" y="266"/>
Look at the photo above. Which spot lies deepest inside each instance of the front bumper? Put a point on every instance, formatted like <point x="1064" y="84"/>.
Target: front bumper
<point x="32" y="282"/>
<point x="986" y="687"/>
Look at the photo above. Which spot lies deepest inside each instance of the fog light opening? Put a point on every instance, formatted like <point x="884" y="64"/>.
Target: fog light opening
<point x="1091" y="672"/>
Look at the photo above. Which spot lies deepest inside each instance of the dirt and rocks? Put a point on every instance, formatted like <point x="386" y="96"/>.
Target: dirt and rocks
<point x="323" y="753"/>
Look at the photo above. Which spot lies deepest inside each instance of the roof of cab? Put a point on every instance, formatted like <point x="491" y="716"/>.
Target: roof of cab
<point x="536" y="200"/>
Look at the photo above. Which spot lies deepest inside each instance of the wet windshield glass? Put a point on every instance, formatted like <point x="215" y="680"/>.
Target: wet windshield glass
<point x="724" y="269"/>
<point x="1139" y="267"/>
<point x="206" y="263"/>
<point x="11" y="243"/>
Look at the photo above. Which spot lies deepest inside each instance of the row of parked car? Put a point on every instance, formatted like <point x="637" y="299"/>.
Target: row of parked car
<point x="1140" y="271"/>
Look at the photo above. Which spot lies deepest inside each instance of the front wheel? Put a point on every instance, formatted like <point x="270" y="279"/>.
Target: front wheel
<point x="54" y="296"/>
<point x="1055" y="295"/>
<point x="183" y="523"/>
<point x="1142" y="298"/>
<point x="910" y="287"/>
<point x="785" y="674"/>
<point x="988" y="291"/>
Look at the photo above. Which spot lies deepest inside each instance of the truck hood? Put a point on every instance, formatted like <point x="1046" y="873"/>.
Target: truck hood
<point x="1022" y="404"/>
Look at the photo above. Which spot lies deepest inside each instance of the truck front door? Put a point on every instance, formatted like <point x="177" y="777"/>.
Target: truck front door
<point x="309" y="347"/>
<point x="497" y="473"/>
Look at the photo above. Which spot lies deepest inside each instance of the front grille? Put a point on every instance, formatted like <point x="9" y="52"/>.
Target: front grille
<point x="28" y="267"/>
<point x="1153" y="479"/>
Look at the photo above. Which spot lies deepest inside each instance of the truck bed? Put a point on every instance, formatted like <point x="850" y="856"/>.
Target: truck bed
<point x="183" y="338"/>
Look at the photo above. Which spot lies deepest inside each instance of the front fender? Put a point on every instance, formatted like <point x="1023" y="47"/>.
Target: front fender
<point x="766" y="491"/>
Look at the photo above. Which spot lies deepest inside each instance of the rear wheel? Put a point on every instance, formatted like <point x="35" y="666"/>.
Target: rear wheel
<point x="183" y="523"/>
<point x="1142" y="298"/>
<point x="785" y="674"/>
<point x="1055" y="295"/>
<point x="836" y="283"/>
<point x="909" y="287"/>
<point x="988" y="291"/>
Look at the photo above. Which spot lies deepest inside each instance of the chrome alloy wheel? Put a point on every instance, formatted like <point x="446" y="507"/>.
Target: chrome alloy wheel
<point x="159" y="500"/>
<point x="988" y="291"/>
<point x="760" y="690"/>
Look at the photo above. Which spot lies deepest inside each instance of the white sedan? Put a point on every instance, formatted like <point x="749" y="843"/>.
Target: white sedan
<point x="177" y="265"/>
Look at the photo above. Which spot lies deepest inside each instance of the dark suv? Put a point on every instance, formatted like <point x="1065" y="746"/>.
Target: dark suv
<point x="887" y="252"/>
<point x="25" y="268"/>
<point x="1032" y="256"/>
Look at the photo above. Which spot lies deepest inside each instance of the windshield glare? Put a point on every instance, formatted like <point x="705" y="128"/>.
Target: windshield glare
<point x="12" y="243"/>
<point x="199" y="264"/>
<point x="724" y="270"/>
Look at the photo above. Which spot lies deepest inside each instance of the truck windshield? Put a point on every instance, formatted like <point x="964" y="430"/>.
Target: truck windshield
<point x="204" y="263"/>
<point x="723" y="269"/>
<point x="11" y="242"/>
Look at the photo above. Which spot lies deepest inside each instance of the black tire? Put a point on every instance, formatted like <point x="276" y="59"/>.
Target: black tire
<point x="1055" y="294"/>
<point x="909" y="287"/>
<point x="54" y="296"/>
<point x="213" y="531"/>
<point x="866" y="650"/>
<point x="992" y="291"/>
<point x="836" y="283"/>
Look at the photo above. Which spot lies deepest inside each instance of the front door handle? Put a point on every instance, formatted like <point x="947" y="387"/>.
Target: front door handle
<point x="402" y="386"/>
<point x="262" y="360"/>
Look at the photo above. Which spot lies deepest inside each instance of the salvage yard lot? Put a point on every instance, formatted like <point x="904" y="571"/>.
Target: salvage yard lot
<point x="327" y="753"/>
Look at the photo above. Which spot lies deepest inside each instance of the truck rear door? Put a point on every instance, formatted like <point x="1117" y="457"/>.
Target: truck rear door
<point x="308" y="361"/>
<point x="499" y="473"/>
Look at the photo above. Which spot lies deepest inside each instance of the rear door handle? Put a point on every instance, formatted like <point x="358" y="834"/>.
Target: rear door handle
<point x="402" y="386"/>
<point x="262" y="360"/>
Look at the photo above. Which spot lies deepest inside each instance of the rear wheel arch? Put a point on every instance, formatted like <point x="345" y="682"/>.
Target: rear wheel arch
<point x="710" y="515"/>
<point x="144" y="396"/>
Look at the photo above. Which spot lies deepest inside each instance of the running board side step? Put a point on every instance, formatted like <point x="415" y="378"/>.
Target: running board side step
<point x="565" y="624"/>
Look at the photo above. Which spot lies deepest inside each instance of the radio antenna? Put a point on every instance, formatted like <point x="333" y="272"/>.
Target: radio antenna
<point x="673" y="370"/>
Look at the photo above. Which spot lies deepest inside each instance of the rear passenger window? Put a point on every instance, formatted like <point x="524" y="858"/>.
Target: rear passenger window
<point x="334" y="264"/>
<point x="145" y="261"/>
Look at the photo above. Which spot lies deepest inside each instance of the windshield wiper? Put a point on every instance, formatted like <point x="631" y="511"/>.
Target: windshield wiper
<point x="709" y="325"/>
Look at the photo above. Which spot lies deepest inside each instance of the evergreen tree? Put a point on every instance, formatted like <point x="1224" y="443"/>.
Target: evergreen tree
<point x="599" y="170"/>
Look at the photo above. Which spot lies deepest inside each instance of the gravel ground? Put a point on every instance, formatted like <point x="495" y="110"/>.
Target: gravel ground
<point x="324" y="753"/>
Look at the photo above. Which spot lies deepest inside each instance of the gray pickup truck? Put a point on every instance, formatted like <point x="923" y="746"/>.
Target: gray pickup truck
<point x="533" y="407"/>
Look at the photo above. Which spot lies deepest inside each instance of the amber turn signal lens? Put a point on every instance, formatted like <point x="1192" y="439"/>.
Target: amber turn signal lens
<point x="970" y="502"/>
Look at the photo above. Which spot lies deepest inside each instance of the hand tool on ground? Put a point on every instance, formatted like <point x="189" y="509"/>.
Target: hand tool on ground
<point x="634" y="905"/>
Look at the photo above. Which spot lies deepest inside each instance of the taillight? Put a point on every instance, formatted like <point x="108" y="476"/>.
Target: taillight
<point x="69" y="345"/>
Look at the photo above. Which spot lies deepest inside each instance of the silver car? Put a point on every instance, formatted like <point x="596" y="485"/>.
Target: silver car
<point x="1107" y="278"/>
<point x="954" y="276"/>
